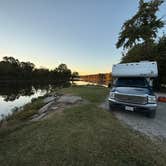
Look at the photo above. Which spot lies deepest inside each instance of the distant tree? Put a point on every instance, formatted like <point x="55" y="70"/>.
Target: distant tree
<point x="42" y="74"/>
<point x="10" y="67"/>
<point x="13" y="69"/>
<point x="63" y="72"/>
<point x="74" y="75"/>
<point x="142" y="27"/>
<point x="27" y="66"/>
<point x="11" y="60"/>
<point x="62" y="68"/>
<point x="27" y="69"/>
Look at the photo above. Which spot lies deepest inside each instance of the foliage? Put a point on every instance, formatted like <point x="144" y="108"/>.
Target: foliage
<point x="139" y="35"/>
<point x="161" y="59"/>
<point x="13" y="69"/>
<point x="143" y="26"/>
<point x="63" y="72"/>
<point x="138" y="53"/>
<point x="28" y="111"/>
<point x="74" y="76"/>
<point x="157" y="52"/>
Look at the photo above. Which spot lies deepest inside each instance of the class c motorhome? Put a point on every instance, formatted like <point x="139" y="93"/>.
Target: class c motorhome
<point x="132" y="87"/>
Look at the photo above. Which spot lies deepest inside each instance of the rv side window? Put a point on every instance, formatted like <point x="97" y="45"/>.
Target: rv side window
<point x="132" y="82"/>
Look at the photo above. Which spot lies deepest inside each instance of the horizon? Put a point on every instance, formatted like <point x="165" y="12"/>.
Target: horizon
<point x="80" y="34"/>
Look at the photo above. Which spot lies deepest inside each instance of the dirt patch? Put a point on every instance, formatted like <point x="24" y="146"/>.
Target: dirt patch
<point x="57" y="106"/>
<point x="69" y="99"/>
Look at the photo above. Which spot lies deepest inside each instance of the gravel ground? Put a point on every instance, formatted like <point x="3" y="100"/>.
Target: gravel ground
<point x="152" y="127"/>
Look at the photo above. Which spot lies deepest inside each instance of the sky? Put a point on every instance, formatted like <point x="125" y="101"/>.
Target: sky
<point x="79" y="33"/>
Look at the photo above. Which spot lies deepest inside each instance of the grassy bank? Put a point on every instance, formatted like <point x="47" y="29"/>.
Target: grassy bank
<point x="21" y="115"/>
<point x="82" y="135"/>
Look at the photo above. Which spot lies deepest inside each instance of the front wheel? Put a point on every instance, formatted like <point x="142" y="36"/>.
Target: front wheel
<point x="151" y="114"/>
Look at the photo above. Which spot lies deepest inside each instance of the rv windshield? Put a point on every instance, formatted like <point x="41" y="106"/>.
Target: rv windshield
<point x="132" y="82"/>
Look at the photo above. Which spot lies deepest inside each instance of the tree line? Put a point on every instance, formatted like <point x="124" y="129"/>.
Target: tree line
<point x="12" y="69"/>
<point x="140" y="41"/>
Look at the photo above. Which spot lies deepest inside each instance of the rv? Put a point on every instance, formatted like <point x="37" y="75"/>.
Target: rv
<point x="132" y="87"/>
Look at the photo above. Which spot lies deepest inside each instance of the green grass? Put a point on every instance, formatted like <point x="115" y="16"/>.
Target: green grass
<point x="84" y="135"/>
<point x="95" y="94"/>
<point x="28" y="111"/>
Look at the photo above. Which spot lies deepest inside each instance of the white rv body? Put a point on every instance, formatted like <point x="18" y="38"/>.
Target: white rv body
<point x="137" y="69"/>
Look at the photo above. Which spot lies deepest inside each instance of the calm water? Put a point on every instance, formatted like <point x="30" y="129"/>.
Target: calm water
<point x="84" y="83"/>
<point x="88" y="83"/>
<point x="16" y="95"/>
<point x="6" y="107"/>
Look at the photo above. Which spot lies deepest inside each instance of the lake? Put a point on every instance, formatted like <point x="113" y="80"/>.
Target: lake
<point x="15" y="95"/>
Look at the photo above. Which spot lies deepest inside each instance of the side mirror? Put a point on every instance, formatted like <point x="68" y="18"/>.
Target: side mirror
<point x="114" y="81"/>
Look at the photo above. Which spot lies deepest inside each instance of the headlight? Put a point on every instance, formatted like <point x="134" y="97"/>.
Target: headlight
<point x="152" y="99"/>
<point x="112" y="95"/>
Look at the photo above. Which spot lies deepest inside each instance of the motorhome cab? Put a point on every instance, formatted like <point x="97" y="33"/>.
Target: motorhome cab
<point x="132" y="87"/>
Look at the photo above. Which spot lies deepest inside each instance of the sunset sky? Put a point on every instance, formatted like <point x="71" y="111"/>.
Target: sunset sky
<point x="79" y="33"/>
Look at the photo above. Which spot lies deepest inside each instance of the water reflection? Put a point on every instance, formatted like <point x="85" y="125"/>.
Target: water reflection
<point x="87" y="83"/>
<point x="18" y="94"/>
<point x="11" y="92"/>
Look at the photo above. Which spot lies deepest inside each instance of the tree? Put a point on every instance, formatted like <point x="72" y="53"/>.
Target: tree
<point x="12" y="69"/>
<point x="157" y="53"/>
<point x="74" y="75"/>
<point x="27" y="66"/>
<point x="161" y="59"/>
<point x="63" y="73"/>
<point x="143" y="26"/>
<point x="11" y="60"/>
<point x="137" y="53"/>
<point x="62" y="67"/>
<point x="27" y="69"/>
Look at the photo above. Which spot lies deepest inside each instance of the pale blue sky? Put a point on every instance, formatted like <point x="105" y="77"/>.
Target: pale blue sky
<point x="80" y="33"/>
